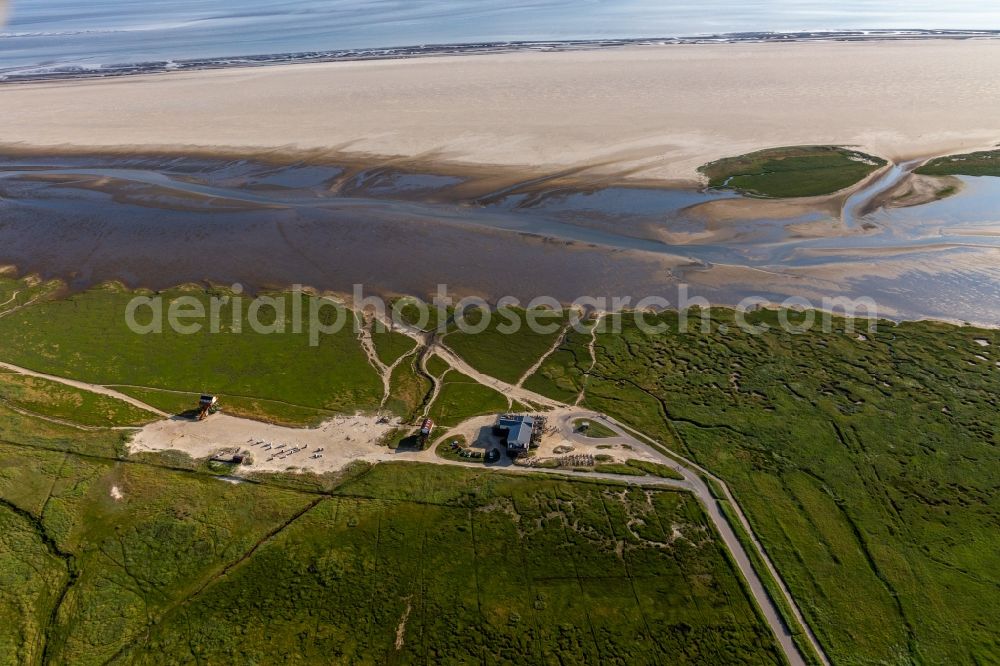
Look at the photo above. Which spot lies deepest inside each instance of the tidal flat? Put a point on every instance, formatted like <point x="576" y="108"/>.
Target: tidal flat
<point x="158" y="220"/>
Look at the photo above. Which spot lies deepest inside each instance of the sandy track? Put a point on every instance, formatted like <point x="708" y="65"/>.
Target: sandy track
<point x="456" y="362"/>
<point x="591" y="344"/>
<point x="93" y="388"/>
<point x="656" y="112"/>
<point x="549" y="352"/>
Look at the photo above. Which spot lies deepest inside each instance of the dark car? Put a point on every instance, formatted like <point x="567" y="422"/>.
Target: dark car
<point x="493" y="456"/>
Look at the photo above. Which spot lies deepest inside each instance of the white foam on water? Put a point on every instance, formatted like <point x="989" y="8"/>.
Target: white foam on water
<point x="57" y="32"/>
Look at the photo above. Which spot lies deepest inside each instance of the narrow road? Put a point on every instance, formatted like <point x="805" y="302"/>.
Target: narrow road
<point x="563" y="419"/>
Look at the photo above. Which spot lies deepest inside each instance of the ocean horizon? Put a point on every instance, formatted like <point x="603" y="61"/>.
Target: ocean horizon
<point x="53" y="35"/>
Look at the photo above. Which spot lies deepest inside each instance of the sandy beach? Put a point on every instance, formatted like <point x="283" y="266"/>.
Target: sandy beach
<point x="327" y="448"/>
<point x="650" y="112"/>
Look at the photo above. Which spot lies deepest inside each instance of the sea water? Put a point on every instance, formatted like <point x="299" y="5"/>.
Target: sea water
<point x="46" y="34"/>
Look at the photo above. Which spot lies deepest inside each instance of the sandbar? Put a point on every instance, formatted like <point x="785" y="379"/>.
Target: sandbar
<point x="651" y="112"/>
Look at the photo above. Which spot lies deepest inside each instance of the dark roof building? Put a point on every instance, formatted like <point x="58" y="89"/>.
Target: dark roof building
<point x="516" y="431"/>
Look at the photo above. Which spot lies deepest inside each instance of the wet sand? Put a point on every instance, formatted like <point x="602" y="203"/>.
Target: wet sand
<point x="160" y="220"/>
<point x="649" y="112"/>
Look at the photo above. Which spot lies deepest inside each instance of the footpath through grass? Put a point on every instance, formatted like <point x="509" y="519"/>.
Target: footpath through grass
<point x="58" y="401"/>
<point x="509" y="345"/>
<point x="275" y="376"/>
<point x="797" y="171"/>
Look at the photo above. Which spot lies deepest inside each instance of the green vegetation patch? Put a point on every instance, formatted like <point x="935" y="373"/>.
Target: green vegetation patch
<point x="866" y="466"/>
<point x="799" y="171"/>
<point x="984" y="163"/>
<point x="59" y="401"/>
<point x="437" y="366"/>
<point x="408" y="390"/>
<point x="391" y="345"/>
<point x="141" y="555"/>
<point x="655" y="469"/>
<point x="420" y="314"/>
<point x="453" y="448"/>
<point x="618" y="468"/>
<point x="508" y="347"/>
<point x="31" y="576"/>
<point x="561" y="376"/>
<point x="461" y="397"/>
<point x="92" y="550"/>
<point x="85" y="337"/>
<point x="441" y="565"/>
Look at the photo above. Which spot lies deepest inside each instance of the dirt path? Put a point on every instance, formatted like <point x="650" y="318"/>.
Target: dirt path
<point x="534" y="368"/>
<point x="18" y="307"/>
<point x="11" y="298"/>
<point x="401" y="627"/>
<point x="593" y="358"/>
<point x="436" y="346"/>
<point x="93" y="388"/>
<point x="435" y="384"/>
<point x="368" y="346"/>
